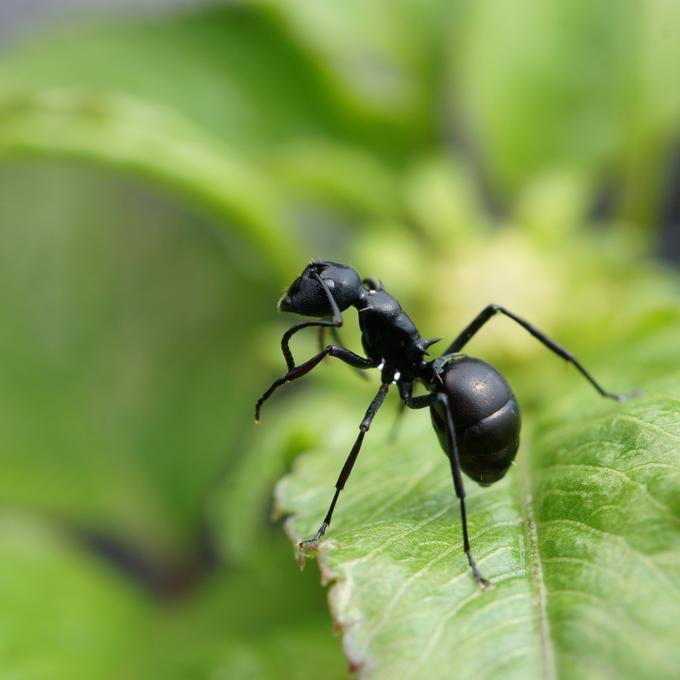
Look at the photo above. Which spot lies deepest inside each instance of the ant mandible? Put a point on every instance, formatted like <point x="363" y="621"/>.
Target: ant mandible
<point x="474" y="412"/>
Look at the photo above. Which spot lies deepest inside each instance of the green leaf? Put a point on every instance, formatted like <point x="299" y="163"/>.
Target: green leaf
<point x="257" y="133"/>
<point x="230" y="70"/>
<point x="581" y="539"/>
<point x="119" y="367"/>
<point x="385" y="55"/>
<point x="262" y="620"/>
<point x="67" y="614"/>
<point x="569" y="85"/>
<point x="155" y="142"/>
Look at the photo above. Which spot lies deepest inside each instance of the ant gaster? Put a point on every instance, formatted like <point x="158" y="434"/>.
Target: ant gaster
<point x="473" y="410"/>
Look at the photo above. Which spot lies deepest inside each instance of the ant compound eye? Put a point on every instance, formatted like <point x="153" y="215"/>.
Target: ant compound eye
<point x="285" y="303"/>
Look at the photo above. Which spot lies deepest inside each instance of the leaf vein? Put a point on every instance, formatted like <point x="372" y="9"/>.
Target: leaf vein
<point x="628" y="480"/>
<point x="619" y="540"/>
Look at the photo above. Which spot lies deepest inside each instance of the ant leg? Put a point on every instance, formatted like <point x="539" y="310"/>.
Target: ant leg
<point x="458" y="485"/>
<point x="491" y="310"/>
<point x="285" y="339"/>
<point x="406" y="394"/>
<point x="405" y="391"/>
<point x="335" y="334"/>
<point x="298" y="371"/>
<point x="407" y="399"/>
<point x="349" y="463"/>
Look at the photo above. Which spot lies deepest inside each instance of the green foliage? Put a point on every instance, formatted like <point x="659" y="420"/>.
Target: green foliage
<point x="162" y="178"/>
<point x="112" y="348"/>
<point x="73" y="617"/>
<point x="593" y="83"/>
<point x="581" y="540"/>
<point x="125" y="133"/>
<point x="65" y="615"/>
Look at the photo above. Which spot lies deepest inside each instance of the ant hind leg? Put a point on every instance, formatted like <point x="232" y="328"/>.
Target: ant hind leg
<point x="458" y="485"/>
<point x="491" y="310"/>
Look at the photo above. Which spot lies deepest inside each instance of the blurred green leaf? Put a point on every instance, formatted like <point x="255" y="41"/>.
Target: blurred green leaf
<point x="581" y="540"/>
<point x="65" y="615"/>
<point x="119" y="366"/>
<point x="254" y="74"/>
<point x="264" y="620"/>
<point x="143" y="138"/>
<point x="345" y="178"/>
<point x="231" y="71"/>
<point x="567" y="85"/>
<point x="386" y="55"/>
<point x="260" y="132"/>
<point x="69" y="616"/>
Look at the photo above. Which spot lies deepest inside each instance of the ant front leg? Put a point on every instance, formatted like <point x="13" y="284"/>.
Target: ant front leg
<point x="335" y="334"/>
<point x="491" y="310"/>
<point x="322" y="326"/>
<point x="296" y="372"/>
<point x="349" y="464"/>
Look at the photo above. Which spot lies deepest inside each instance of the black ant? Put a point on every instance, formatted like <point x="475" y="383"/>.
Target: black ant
<point x="474" y="412"/>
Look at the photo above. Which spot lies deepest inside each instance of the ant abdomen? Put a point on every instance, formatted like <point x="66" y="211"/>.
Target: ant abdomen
<point x="486" y="417"/>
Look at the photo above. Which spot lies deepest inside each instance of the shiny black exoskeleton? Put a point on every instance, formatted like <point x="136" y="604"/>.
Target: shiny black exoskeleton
<point x="473" y="410"/>
<point x="486" y="419"/>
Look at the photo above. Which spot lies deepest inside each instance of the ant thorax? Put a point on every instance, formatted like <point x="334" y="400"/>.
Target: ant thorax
<point x="389" y="334"/>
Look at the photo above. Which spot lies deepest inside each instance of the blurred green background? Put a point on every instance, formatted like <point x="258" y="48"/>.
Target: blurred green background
<point x="165" y="172"/>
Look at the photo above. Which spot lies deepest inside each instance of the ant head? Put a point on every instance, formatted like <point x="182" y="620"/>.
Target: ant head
<point x="307" y="296"/>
